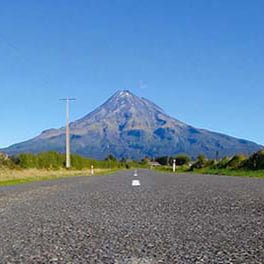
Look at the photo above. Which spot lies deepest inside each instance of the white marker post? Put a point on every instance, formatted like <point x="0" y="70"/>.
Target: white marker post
<point x="174" y="165"/>
<point x="92" y="170"/>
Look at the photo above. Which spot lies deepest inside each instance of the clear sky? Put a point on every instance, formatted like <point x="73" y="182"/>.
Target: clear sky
<point x="201" y="61"/>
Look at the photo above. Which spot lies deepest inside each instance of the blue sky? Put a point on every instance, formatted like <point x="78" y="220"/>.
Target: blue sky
<point x="201" y="61"/>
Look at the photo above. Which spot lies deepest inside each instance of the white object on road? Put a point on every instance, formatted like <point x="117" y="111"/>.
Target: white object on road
<point x="135" y="183"/>
<point x="135" y="174"/>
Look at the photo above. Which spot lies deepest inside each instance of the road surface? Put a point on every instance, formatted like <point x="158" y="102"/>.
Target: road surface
<point x="121" y="218"/>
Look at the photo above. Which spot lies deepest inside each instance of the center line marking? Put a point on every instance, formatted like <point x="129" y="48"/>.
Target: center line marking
<point x="135" y="183"/>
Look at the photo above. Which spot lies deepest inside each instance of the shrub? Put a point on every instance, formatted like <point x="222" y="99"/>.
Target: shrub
<point x="255" y="161"/>
<point x="5" y="161"/>
<point x="164" y="160"/>
<point x="199" y="163"/>
<point x="222" y="164"/>
<point x="235" y="162"/>
<point x="110" y="158"/>
<point x="209" y="163"/>
<point x="182" y="159"/>
<point x="50" y="160"/>
<point x="54" y="160"/>
<point x="27" y="160"/>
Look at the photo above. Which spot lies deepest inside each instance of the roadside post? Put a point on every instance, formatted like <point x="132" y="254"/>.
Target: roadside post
<point x="92" y="170"/>
<point x="174" y="165"/>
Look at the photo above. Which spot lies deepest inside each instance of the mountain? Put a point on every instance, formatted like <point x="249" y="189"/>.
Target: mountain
<point x="133" y="127"/>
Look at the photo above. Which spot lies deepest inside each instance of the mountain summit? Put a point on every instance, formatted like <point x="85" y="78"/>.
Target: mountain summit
<point x="133" y="127"/>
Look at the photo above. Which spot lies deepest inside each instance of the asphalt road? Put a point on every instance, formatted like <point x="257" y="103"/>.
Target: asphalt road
<point x="104" y="219"/>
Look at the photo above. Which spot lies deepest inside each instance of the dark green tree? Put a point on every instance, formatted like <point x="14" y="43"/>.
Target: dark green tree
<point x="182" y="159"/>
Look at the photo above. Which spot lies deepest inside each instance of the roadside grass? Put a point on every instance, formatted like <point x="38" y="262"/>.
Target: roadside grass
<point x="19" y="176"/>
<point x="232" y="172"/>
<point x="223" y="172"/>
<point x="181" y="169"/>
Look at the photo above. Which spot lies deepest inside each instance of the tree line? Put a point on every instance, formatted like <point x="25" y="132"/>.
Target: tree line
<point x="239" y="161"/>
<point x="54" y="160"/>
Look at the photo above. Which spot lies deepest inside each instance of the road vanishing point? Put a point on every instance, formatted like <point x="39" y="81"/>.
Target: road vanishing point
<point x="134" y="217"/>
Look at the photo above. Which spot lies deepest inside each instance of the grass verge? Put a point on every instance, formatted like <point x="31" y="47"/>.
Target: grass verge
<point x="224" y="172"/>
<point x="19" y="176"/>
<point x="232" y="172"/>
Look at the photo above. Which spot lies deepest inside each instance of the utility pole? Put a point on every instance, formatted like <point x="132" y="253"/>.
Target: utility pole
<point x="67" y="132"/>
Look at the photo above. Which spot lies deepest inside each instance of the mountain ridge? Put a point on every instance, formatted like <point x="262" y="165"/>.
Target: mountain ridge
<point x="129" y="126"/>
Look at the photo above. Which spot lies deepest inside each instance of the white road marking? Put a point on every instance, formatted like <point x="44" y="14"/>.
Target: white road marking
<point x="135" y="183"/>
<point x="135" y="174"/>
